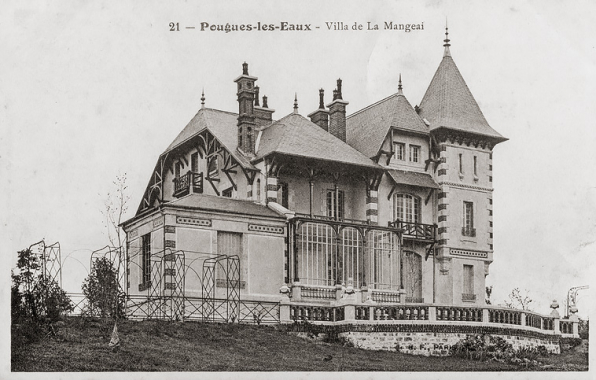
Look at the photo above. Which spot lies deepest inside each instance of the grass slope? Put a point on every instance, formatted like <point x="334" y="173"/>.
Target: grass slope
<point x="82" y="345"/>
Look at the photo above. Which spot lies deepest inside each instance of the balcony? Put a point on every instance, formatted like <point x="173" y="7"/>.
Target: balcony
<point x="184" y="184"/>
<point x="416" y="231"/>
<point x="468" y="231"/>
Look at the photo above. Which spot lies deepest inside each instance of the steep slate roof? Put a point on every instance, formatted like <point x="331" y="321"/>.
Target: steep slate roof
<point x="226" y="205"/>
<point x="367" y="128"/>
<point x="412" y="178"/>
<point x="297" y="136"/>
<point x="221" y="124"/>
<point x="449" y="103"/>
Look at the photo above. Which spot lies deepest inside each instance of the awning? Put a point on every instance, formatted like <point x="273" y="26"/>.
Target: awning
<point x="412" y="178"/>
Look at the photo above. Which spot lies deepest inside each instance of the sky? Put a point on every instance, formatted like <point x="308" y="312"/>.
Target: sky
<point x="92" y="90"/>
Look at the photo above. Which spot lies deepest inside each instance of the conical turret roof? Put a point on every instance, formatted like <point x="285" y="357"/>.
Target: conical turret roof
<point x="448" y="102"/>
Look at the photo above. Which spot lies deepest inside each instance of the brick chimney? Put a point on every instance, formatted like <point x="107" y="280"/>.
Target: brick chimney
<point x="263" y="115"/>
<point x="321" y="116"/>
<point x="246" y="116"/>
<point x="337" y="114"/>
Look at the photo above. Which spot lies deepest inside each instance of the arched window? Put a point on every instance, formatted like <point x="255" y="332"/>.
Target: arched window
<point x="406" y="207"/>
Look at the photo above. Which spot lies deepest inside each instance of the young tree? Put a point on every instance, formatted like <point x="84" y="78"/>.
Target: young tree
<point x="116" y="206"/>
<point x="519" y="300"/>
<point x="103" y="291"/>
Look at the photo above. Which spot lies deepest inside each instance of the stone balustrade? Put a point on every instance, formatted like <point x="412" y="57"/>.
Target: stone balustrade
<point x="426" y="316"/>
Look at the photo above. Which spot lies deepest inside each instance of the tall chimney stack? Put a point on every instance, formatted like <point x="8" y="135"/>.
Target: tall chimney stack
<point x="337" y="114"/>
<point x="246" y="117"/>
<point x="321" y="116"/>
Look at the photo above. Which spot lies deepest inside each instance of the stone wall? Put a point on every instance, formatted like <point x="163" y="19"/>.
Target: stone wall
<point x="433" y="344"/>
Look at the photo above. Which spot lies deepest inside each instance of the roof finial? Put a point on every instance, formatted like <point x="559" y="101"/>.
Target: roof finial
<point x="245" y="68"/>
<point x="399" y="86"/>
<point x="295" y="102"/>
<point x="203" y="99"/>
<point x="265" y="102"/>
<point x="446" y="40"/>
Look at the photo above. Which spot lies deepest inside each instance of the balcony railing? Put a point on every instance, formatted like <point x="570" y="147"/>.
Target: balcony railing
<point x="189" y="180"/>
<point x="468" y="231"/>
<point x="417" y="231"/>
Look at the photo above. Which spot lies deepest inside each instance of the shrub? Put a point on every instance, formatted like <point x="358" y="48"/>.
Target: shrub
<point x="487" y="347"/>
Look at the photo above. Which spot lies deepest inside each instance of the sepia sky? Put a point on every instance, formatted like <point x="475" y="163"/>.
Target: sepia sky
<point x="93" y="90"/>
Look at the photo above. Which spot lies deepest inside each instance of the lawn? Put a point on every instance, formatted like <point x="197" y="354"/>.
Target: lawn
<point x="82" y="345"/>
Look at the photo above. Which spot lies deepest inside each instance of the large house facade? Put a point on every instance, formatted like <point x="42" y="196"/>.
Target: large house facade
<point x="389" y="204"/>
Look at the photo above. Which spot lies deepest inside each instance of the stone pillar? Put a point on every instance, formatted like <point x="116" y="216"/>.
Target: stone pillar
<point x="402" y="296"/>
<point x="432" y="313"/>
<point x="296" y="292"/>
<point x="371" y="206"/>
<point x="485" y="316"/>
<point x="284" y="312"/>
<point x="575" y="323"/>
<point x="555" y="314"/>
<point x="523" y="318"/>
<point x="338" y="291"/>
<point x="350" y="313"/>
<point x="271" y="189"/>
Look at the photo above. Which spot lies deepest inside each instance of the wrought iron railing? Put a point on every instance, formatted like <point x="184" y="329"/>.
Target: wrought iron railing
<point x="183" y="184"/>
<point x="418" y="231"/>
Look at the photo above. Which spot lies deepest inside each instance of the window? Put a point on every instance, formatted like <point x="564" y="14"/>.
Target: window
<point x="335" y="209"/>
<point x="399" y="151"/>
<point x="468" y="227"/>
<point x="414" y="153"/>
<point x="146" y="259"/>
<point x="249" y="138"/>
<point x="406" y="208"/>
<point x="258" y="190"/>
<point x="177" y="170"/>
<point x="475" y="165"/>
<point x="227" y="192"/>
<point x="212" y="166"/>
<point x="282" y="194"/>
<point x="468" y="282"/>
<point x="240" y="137"/>
<point x="461" y="163"/>
<point x="194" y="162"/>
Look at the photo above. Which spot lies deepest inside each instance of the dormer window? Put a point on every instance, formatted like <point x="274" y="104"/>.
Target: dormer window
<point x="177" y="170"/>
<point x="414" y="153"/>
<point x="194" y="162"/>
<point x="399" y="151"/>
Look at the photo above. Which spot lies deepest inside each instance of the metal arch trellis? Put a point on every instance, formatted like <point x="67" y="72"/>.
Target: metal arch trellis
<point x="165" y="295"/>
<point x="51" y="260"/>
<point x="224" y="309"/>
<point x="114" y="255"/>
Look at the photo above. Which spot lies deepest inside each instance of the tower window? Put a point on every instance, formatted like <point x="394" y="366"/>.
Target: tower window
<point x="475" y="165"/>
<point x="468" y="227"/>
<point x="194" y="162"/>
<point x="461" y="163"/>
<point x="399" y="151"/>
<point x="414" y="153"/>
<point x="177" y="170"/>
<point x="282" y="194"/>
<point x="258" y="190"/>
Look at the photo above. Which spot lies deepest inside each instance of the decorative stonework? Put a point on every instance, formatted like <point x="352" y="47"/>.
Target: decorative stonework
<point x="221" y="283"/>
<point x="193" y="221"/>
<point x="463" y="186"/>
<point x="134" y="233"/>
<point x="157" y="222"/>
<point x="170" y="229"/>
<point x="267" y="229"/>
<point x="170" y="244"/>
<point x="462" y="252"/>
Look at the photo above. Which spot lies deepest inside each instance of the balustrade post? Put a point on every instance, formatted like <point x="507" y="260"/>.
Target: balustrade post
<point x="432" y="313"/>
<point x="575" y="324"/>
<point x="557" y="326"/>
<point x="522" y="316"/>
<point x="402" y="296"/>
<point x="364" y="294"/>
<point x="485" y="316"/>
<point x="371" y="313"/>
